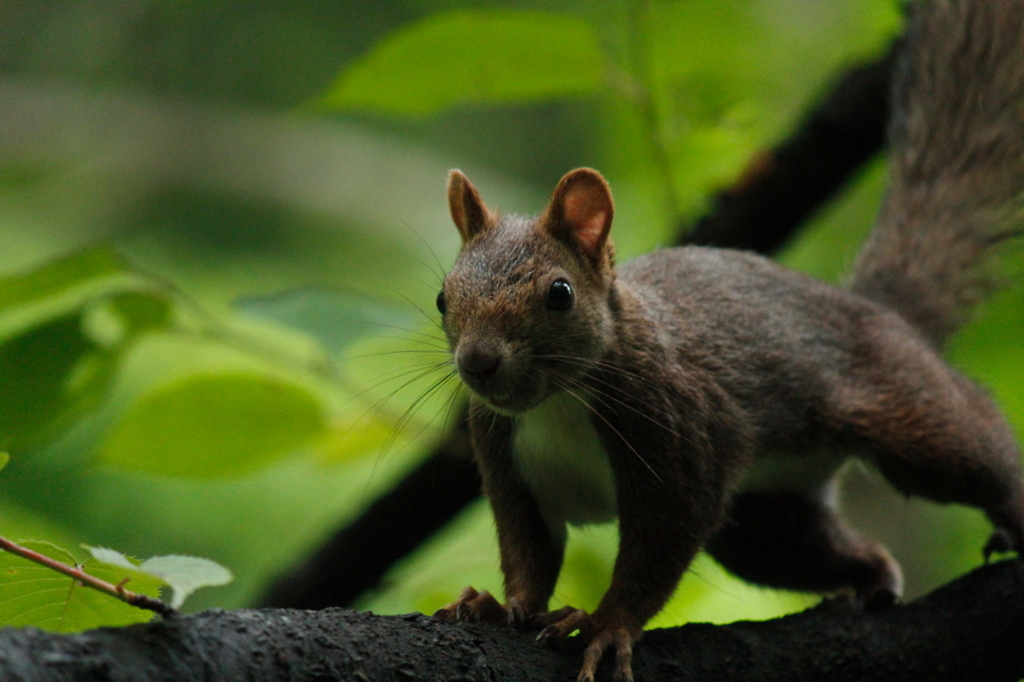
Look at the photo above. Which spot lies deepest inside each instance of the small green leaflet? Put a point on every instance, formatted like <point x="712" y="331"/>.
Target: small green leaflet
<point x="4" y="459"/>
<point x="61" y="276"/>
<point x="183" y="574"/>
<point x="31" y="594"/>
<point x="473" y="57"/>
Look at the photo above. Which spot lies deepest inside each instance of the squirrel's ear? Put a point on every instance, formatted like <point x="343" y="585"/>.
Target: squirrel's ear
<point x="581" y="211"/>
<point x="469" y="212"/>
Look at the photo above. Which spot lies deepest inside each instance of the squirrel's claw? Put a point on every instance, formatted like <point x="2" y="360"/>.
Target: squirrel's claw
<point x="451" y="611"/>
<point x="517" y="616"/>
<point x="542" y="620"/>
<point x="558" y="625"/>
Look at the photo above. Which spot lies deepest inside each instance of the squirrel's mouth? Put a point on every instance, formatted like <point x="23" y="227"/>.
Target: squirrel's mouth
<point x="501" y="406"/>
<point x="507" y="402"/>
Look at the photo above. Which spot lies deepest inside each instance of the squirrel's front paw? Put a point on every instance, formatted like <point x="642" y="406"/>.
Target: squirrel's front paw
<point x="604" y="637"/>
<point x="477" y="607"/>
<point x="600" y="637"/>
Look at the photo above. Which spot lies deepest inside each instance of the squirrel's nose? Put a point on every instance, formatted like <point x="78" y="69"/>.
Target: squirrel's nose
<point x="479" y="360"/>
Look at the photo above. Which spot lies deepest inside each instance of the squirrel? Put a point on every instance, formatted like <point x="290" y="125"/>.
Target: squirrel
<point x="706" y="398"/>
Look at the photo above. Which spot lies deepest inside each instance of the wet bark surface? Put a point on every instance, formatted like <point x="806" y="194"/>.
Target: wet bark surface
<point x="970" y="629"/>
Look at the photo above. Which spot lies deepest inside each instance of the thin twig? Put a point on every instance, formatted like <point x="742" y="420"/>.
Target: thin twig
<point x="141" y="601"/>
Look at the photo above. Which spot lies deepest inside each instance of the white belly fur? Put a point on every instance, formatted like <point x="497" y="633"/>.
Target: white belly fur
<point x="562" y="459"/>
<point x="812" y="474"/>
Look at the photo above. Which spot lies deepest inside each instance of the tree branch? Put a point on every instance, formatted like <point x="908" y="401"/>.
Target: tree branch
<point x="783" y="187"/>
<point x="971" y="629"/>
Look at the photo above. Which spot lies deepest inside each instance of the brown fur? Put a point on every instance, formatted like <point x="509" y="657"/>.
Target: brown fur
<point x="705" y="372"/>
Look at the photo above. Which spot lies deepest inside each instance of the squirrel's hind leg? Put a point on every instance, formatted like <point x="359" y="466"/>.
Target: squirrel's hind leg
<point x="931" y="431"/>
<point x="956" y="448"/>
<point x="991" y="485"/>
<point x="796" y="541"/>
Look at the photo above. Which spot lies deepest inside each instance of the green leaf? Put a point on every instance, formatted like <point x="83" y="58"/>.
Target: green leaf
<point x="61" y="354"/>
<point x="143" y="310"/>
<point x="184" y="574"/>
<point x="31" y="594"/>
<point x="4" y="459"/>
<point x="49" y="375"/>
<point x="214" y="425"/>
<point x="473" y="57"/>
<point x="336" y="319"/>
<point x="85" y="280"/>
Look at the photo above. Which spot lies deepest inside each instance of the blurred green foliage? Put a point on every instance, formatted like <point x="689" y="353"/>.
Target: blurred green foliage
<point x="222" y="227"/>
<point x="213" y="425"/>
<point x="487" y="57"/>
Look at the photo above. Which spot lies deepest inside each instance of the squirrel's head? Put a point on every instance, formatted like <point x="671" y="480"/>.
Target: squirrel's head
<point x="527" y="305"/>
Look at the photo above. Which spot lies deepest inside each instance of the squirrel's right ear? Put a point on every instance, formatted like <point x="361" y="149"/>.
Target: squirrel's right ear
<point x="469" y="212"/>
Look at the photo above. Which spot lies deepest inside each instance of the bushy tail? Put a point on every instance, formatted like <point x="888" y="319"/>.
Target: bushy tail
<point x="956" y="163"/>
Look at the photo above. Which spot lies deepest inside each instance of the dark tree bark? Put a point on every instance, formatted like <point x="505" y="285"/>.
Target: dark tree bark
<point x="780" y="190"/>
<point x="971" y="629"/>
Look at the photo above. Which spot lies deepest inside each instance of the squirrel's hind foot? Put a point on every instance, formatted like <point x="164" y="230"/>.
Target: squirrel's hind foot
<point x="1008" y="528"/>
<point x="1000" y="542"/>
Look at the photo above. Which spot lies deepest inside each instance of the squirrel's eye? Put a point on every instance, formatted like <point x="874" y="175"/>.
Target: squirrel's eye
<point x="560" y="295"/>
<point x="441" y="307"/>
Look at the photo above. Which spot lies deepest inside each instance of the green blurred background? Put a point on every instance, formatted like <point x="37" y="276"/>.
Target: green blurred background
<point x="271" y="175"/>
